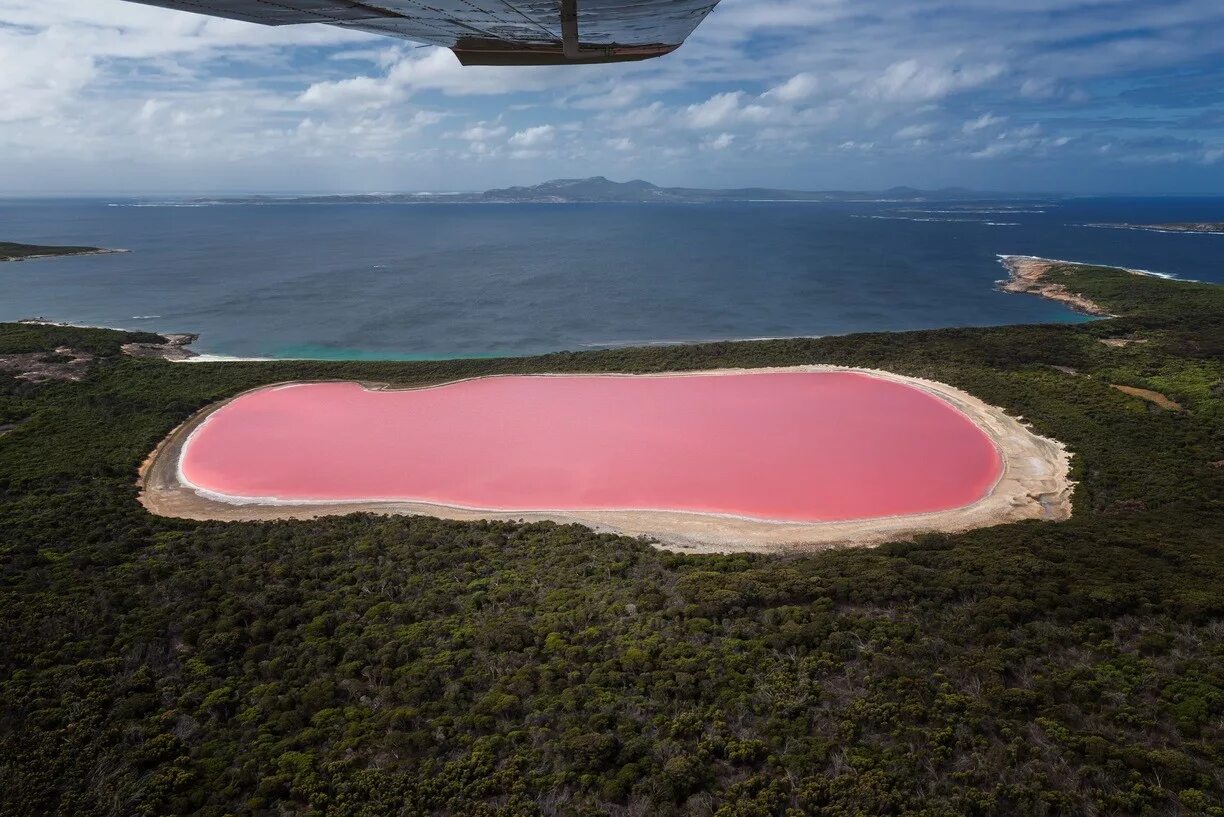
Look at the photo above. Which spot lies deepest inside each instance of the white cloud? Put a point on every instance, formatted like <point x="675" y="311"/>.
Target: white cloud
<point x="715" y="111"/>
<point x="40" y="74"/>
<point x="911" y="132"/>
<point x="986" y="120"/>
<point x="795" y="89"/>
<point x="1027" y="141"/>
<point x="646" y="116"/>
<point x="783" y="88"/>
<point x="482" y="132"/>
<point x="618" y="95"/>
<point x="912" y="81"/>
<point x="533" y="137"/>
<point x="438" y="71"/>
<point x="358" y="92"/>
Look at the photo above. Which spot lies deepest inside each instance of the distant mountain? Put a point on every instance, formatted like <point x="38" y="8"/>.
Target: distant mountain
<point x="596" y="188"/>
<point x="600" y="189"/>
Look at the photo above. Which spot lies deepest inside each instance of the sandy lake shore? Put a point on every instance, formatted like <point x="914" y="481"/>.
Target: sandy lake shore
<point x="1034" y="484"/>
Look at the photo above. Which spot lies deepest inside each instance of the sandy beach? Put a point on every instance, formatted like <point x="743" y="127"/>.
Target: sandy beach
<point x="1034" y="484"/>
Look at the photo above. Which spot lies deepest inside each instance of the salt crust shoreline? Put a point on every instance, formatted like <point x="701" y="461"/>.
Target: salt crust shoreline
<point x="1034" y="484"/>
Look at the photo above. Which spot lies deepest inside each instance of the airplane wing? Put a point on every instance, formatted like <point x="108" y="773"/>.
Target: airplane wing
<point x="491" y="32"/>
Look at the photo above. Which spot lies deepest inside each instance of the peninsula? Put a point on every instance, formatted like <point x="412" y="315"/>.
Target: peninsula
<point x="1032" y="276"/>
<point x="1216" y="227"/>
<point x="11" y="251"/>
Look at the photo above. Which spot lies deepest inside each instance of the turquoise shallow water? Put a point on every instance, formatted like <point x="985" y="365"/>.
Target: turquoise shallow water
<point x="359" y="281"/>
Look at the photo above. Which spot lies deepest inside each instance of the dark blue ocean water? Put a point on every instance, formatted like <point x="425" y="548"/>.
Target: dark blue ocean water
<point x="409" y="281"/>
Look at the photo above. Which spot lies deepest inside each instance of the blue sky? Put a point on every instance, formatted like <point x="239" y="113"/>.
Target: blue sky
<point x="104" y="96"/>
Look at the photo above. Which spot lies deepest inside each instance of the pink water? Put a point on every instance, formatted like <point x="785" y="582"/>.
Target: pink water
<point x="785" y="446"/>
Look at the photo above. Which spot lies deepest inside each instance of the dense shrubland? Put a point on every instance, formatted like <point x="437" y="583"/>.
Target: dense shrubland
<point x="386" y="666"/>
<point x="10" y="251"/>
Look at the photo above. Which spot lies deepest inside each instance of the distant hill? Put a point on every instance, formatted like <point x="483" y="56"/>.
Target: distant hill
<point x="596" y="188"/>
<point x="601" y="189"/>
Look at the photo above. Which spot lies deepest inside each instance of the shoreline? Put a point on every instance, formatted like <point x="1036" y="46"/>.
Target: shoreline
<point x="1164" y="276"/>
<point x="1206" y="228"/>
<point x="1026" y="276"/>
<point x="1034" y="483"/>
<point x="44" y="256"/>
<point x="1025" y="273"/>
<point x="174" y="348"/>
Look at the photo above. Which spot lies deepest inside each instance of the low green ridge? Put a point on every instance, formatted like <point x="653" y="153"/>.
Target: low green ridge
<point x="402" y="666"/>
<point x="10" y="251"/>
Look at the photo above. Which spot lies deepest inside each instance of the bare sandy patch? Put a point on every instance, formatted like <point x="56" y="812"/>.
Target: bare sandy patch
<point x="42" y="367"/>
<point x="1154" y="397"/>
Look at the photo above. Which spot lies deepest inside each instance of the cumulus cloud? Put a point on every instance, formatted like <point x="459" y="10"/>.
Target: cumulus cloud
<point x="913" y="81"/>
<point x="783" y="90"/>
<point x="986" y="120"/>
<point x="911" y="132"/>
<point x="795" y="89"/>
<point x="439" y="71"/>
<point x="482" y="132"/>
<point x="357" y="92"/>
<point x="40" y="74"/>
<point x="533" y="137"/>
<point x="618" y="95"/>
<point x="715" y="111"/>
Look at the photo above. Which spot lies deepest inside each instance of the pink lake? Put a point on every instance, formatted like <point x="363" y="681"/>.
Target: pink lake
<point x="793" y="446"/>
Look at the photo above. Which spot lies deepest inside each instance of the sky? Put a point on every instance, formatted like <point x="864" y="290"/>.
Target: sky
<point x="1076" y="96"/>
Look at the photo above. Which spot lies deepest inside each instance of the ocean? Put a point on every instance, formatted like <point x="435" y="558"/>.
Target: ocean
<point x="422" y="281"/>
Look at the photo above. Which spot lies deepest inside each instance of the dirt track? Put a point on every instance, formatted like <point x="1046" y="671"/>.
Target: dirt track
<point x="1034" y="485"/>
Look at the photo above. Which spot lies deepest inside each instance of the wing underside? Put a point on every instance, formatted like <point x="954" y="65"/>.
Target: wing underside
<point x="491" y="32"/>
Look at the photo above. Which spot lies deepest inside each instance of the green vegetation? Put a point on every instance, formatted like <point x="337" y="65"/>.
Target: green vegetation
<point x="18" y="338"/>
<point x="15" y="252"/>
<point x="405" y="666"/>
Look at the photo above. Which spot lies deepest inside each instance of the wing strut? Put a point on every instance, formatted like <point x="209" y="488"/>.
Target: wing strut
<point x="569" y="28"/>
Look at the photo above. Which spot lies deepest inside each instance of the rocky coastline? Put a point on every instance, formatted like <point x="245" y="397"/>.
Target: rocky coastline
<point x="1028" y="275"/>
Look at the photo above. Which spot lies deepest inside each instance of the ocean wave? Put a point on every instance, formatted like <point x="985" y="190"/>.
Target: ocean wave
<point x="163" y="204"/>
<point x="207" y="358"/>
<point x="915" y="218"/>
<point x="1005" y="211"/>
